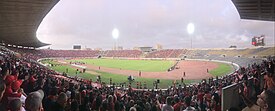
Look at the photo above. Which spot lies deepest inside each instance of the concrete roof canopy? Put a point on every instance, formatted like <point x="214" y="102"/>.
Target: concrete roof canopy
<point x="256" y="9"/>
<point x="20" y="19"/>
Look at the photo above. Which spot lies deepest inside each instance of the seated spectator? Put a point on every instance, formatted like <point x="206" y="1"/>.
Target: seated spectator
<point x="265" y="102"/>
<point x="34" y="101"/>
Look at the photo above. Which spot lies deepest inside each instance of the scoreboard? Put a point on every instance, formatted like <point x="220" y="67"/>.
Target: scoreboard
<point x="76" y="46"/>
<point x="258" y="41"/>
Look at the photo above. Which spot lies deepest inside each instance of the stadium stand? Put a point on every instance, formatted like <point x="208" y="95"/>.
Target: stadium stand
<point x="194" y="53"/>
<point x="166" y="53"/>
<point x="242" y="57"/>
<point x="266" y="52"/>
<point x="177" y="53"/>
<point x="123" y="53"/>
<point x="160" y="53"/>
<point x="46" y="53"/>
<point x="248" y="52"/>
<point x="26" y="79"/>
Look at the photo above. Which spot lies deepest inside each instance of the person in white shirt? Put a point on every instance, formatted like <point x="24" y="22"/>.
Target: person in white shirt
<point x="168" y="106"/>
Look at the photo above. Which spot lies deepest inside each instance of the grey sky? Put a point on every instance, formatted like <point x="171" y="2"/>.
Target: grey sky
<point x="150" y="22"/>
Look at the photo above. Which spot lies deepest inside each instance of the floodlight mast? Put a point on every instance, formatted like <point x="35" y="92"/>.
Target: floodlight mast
<point x="190" y="30"/>
<point x="115" y="34"/>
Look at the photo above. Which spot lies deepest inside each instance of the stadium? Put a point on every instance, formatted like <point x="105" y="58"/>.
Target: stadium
<point x="144" y="78"/>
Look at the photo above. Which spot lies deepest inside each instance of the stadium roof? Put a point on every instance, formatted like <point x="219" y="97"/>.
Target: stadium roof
<point x="256" y="9"/>
<point x="19" y="20"/>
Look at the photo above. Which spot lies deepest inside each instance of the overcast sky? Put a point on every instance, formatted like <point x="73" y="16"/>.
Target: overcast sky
<point x="149" y="22"/>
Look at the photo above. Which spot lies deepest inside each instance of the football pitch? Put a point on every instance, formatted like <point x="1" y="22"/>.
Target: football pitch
<point x="138" y="65"/>
<point x="130" y="65"/>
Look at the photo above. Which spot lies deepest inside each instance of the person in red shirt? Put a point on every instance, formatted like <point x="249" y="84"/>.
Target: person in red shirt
<point x="17" y="92"/>
<point x="207" y="98"/>
<point x="9" y="80"/>
<point x="178" y="104"/>
<point x="200" y="96"/>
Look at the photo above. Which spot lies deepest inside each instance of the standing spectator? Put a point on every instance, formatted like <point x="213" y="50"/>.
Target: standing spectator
<point x="74" y="106"/>
<point x="2" y="90"/>
<point x="178" y="104"/>
<point x="8" y="80"/>
<point x="111" y="105"/>
<point x="49" y="101"/>
<point x="34" y="101"/>
<point x="60" y="102"/>
<point x="133" y="109"/>
<point x="4" y="72"/>
<point x="215" y="103"/>
<point x="269" y="81"/>
<point x="168" y="106"/>
<point x="265" y="102"/>
<point x="29" y="84"/>
<point x="17" y="92"/>
<point x="187" y="101"/>
<point x="85" y="104"/>
<point x="16" y="105"/>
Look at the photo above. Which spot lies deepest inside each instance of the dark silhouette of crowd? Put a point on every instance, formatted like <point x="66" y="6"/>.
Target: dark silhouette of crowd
<point x="26" y="85"/>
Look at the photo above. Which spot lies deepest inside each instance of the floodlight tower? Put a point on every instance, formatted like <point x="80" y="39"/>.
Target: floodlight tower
<point x="115" y="34"/>
<point x="190" y="30"/>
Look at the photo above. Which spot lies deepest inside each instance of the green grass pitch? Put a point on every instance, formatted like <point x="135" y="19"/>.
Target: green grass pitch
<point x="221" y="69"/>
<point x="138" y="65"/>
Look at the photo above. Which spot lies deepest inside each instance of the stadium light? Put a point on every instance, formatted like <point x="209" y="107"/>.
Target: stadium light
<point x="190" y="28"/>
<point x="115" y="33"/>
